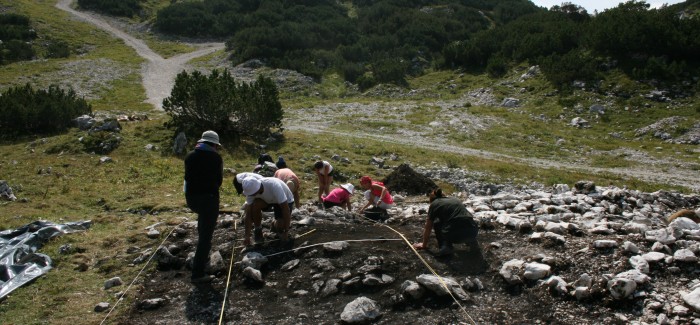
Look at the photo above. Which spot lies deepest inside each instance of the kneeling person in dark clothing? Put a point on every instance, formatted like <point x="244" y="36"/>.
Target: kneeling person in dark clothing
<point x="452" y="223"/>
<point x="260" y="194"/>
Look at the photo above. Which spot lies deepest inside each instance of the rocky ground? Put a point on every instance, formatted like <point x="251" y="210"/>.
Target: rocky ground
<point x="587" y="255"/>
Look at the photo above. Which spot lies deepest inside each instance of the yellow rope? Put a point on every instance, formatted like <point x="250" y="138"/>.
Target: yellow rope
<point x="138" y="274"/>
<point x="228" y="277"/>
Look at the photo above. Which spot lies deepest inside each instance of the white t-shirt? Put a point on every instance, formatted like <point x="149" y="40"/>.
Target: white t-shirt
<point x="330" y="168"/>
<point x="241" y="176"/>
<point x="275" y="191"/>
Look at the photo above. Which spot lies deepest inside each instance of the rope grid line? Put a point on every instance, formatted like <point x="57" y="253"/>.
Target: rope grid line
<point x="141" y="271"/>
<point x="228" y="278"/>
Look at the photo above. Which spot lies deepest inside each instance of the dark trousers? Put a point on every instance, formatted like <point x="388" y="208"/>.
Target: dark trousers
<point x="466" y="234"/>
<point x="329" y="204"/>
<point x="207" y="208"/>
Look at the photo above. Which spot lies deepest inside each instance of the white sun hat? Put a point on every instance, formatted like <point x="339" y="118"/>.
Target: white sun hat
<point x="210" y="136"/>
<point x="348" y="187"/>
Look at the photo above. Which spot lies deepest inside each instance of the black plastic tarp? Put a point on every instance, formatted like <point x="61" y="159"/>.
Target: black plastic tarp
<point x="19" y="262"/>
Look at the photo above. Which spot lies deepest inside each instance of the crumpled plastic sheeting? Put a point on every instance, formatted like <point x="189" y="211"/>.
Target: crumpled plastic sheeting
<point x="19" y="264"/>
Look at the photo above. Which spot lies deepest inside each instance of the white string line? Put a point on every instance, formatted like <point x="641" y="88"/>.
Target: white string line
<point x="137" y="275"/>
<point x="319" y="244"/>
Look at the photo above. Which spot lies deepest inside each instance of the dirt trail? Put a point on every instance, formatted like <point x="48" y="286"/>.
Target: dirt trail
<point x="158" y="74"/>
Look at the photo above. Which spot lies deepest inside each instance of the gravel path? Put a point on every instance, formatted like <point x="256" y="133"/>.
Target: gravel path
<point x="158" y="74"/>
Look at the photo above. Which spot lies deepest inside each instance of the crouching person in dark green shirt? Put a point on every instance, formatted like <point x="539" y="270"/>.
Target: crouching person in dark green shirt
<point x="452" y="222"/>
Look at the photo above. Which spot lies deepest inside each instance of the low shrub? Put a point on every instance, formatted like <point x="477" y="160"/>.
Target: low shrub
<point x="25" y="111"/>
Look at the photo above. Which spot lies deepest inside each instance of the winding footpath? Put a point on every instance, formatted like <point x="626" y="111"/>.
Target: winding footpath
<point x="158" y="74"/>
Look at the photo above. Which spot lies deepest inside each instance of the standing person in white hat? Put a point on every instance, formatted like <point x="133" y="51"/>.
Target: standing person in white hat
<point x="339" y="196"/>
<point x="203" y="177"/>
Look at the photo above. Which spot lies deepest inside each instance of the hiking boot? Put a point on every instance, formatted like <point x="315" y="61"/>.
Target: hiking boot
<point x="258" y="236"/>
<point x="445" y="250"/>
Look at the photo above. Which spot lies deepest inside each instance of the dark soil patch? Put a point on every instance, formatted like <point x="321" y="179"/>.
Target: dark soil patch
<point x="404" y="179"/>
<point x="278" y="300"/>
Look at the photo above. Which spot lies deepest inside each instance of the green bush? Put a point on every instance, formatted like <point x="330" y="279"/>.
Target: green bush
<point x="365" y="82"/>
<point x="562" y="70"/>
<point x="100" y="142"/>
<point x="16" y="35"/>
<point x="390" y="70"/>
<point x="57" y="49"/>
<point x="497" y="66"/>
<point x="24" y="110"/>
<point x="125" y="8"/>
<point x="198" y="102"/>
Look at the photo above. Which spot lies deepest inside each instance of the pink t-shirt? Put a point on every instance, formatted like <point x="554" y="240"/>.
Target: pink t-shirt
<point x="286" y="174"/>
<point x="387" y="196"/>
<point x="337" y="195"/>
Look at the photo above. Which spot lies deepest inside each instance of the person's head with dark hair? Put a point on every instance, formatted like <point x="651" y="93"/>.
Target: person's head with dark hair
<point x="263" y="158"/>
<point x="435" y="193"/>
<point x="318" y="165"/>
<point x="237" y="185"/>
<point x="281" y="163"/>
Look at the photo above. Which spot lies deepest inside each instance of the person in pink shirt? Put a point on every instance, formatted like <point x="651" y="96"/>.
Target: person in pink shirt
<point x="339" y="196"/>
<point x="292" y="181"/>
<point x="376" y="194"/>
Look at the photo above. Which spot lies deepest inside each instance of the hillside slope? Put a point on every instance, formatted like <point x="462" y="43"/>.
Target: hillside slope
<point x="492" y="141"/>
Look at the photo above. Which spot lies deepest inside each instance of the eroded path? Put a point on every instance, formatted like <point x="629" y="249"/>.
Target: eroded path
<point x="158" y="74"/>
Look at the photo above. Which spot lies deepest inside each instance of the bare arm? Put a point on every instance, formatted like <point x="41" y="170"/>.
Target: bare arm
<point x="381" y="189"/>
<point x="248" y="225"/>
<point x="426" y="235"/>
<point x="286" y="220"/>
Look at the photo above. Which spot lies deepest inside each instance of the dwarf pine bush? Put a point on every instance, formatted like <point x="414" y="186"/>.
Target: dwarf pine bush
<point x="25" y="111"/>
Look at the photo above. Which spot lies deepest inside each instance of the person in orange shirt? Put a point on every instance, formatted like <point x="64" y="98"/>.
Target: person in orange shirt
<point x="288" y="177"/>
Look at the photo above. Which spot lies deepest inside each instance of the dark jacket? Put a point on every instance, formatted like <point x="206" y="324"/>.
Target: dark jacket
<point x="452" y="218"/>
<point x="203" y="172"/>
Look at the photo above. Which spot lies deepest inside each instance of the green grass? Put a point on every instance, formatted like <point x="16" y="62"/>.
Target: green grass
<point x="167" y="49"/>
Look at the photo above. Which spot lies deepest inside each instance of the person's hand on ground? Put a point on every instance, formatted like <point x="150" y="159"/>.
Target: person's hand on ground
<point x="418" y="246"/>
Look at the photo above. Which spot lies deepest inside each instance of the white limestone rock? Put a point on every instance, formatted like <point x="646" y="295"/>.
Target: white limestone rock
<point x="536" y="271"/>
<point x="360" y="310"/>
